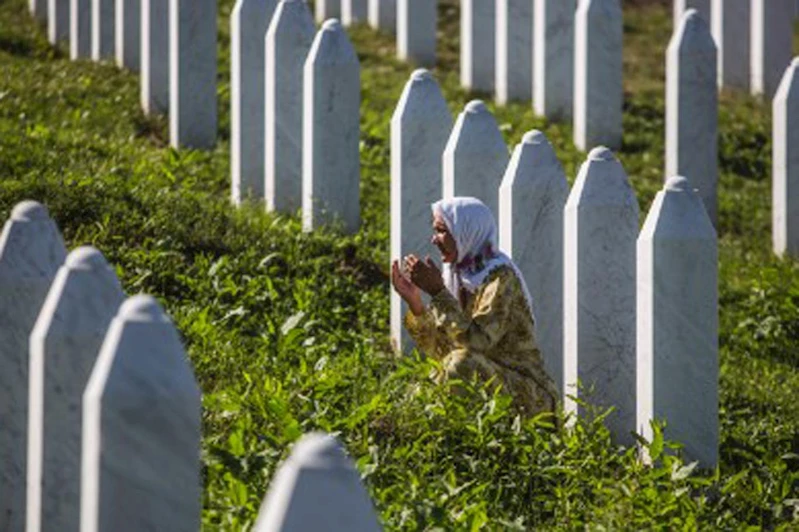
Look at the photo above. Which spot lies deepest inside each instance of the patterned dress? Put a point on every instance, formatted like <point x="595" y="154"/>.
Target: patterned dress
<point x="491" y="334"/>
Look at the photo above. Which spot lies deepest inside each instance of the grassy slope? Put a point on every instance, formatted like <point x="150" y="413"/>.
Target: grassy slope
<point x="287" y="331"/>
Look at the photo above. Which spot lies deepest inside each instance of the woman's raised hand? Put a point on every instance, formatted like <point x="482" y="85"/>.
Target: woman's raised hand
<point x="406" y="289"/>
<point x="424" y="274"/>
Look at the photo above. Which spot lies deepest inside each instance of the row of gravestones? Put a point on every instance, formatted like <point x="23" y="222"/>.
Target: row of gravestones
<point x="100" y="408"/>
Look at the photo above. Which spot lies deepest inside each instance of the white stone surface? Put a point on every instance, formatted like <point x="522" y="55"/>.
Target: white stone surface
<point x="331" y="167"/>
<point x="514" y="51"/>
<point x="326" y="9"/>
<point x="678" y="326"/>
<point x="598" y="74"/>
<point x="31" y="251"/>
<point x="475" y="157"/>
<point x="141" y="428"/>
<point x="64" y="345"/>
<point x="477" y="44"/>
<point x="679" y="7"/>
<point x="155" y="56"/>
<point x="128" y="34"/>
<point x="287" y="44"/>
<point x="416" y="31"/>
<point x="317" y="488"/>
<point x="192" y="73"/>
<point x="785" y="160"/>
<point x="772" y="42"/>
<point x="249" y="22"/>
<point x="354" y="11"/>
<point x="57" y="20"/>
<point x="420" y="127"/>
<point x="103" y="28"/>
<point x="383" y="15"/>
<point x="80" y="29"/>
<point x="730" y="26"/>
<point x="553" y="63"/>
<point x="692" y="108"/>
<point x="531" y="200"/>
<point x="38" y="9"/>
<point x="600" y="231"/>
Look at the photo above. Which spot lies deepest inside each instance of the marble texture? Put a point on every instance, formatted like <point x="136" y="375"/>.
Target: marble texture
<point x="416" y="31"/>
<point x="143" y="404"/>
<point x="103" y="28"/>
<point x="785" y="161"/>
<point x="678" y="325"/>
<point x="598" y="75"/>
<point x="531" y="200"/>
<point x="64" y="345"/>
<point x="772" y="42"/>
<point x="249" y="22"/>
<point x="31" y="251"/>
<point x="477" y="45"/>
<point x="383" y="15"/>
<point x="80" y="29"/>
<point x="731" y="26"/>
<point x="599" y="235"/>
<point x="326" y="9"/>
<point x="553" y="61"/>
<point x="317" y="475"/>
<point x="154" y="79"/>
<point x="681" y="6"/>
<point x="192" y="73"/>
<point x="331" y="167"/>
<point x="38" y="8"/>
<point x="57" y="20"/>
<point x="514" y="51"/>
<point x="692" y="108"/>
<point x="128" y="34"/>
<point x="354" y="11"/>
<point x="475" y="157"/>
<point x="420" y="127"/>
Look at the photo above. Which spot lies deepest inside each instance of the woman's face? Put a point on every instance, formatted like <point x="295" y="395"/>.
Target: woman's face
<point x="443" y="240"/>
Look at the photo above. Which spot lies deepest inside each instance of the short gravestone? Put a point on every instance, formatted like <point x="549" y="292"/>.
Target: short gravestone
<point x="678" y="325"/>
<point x="64" y="345"/>
<point x="155" y="56"/>
<point x="383" y="15"/>
<point x="681" y="6"/>
<point x="31" y="251"/>
<point x="287" y="44"/>
<point x="730" y="26"/>
<point x="354" y="11"/>
<point x="128" y="34"/>
<point x="103" y="27"/>
<point x="785" y="172"/>
<point x="141" y="428"/>
<point x="331" y="172"/>
<point x="192" y="73"/>
<point x="598" y="73"/>
<point x="249" y="21"/>
<point x="416" y="31"/>
<point x="553" y="62"/>
<point x="772" y="43"/>
<point x="80" y="29"/>
<point x="326" y="9"/>
<point x="57" y="20"/>
<point x="317" y="488"/>
<point x="420" y="127"/>
<point x="38" y="8"/>
<point x="692" y="108"/>
<point x="477" y="45"/>
<point x="600" y="230"/>
<point x="531" y="200"/>
<point x="514" y="51"/>
<point x="475" y="157"/>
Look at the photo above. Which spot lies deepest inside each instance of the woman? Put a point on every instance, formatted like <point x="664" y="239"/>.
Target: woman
<point x="480" y="317"/>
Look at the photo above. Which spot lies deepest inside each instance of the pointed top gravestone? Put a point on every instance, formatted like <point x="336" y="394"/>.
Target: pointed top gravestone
<point x="477" y="44"/>
<point x="553" y="63"/>
<point x="772" y="43"/>
<point x="731" y="27"/>
<point x="514" y="51"/>
<point x="785" y="161"/>
<point x="681" y="6"/>
<point x="416" y="31"/>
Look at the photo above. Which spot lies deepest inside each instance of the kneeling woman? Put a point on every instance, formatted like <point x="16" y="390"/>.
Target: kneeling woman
<point x="480" y="318"/>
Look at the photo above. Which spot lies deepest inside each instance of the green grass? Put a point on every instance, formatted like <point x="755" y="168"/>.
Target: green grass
<point x="288" y="331"/>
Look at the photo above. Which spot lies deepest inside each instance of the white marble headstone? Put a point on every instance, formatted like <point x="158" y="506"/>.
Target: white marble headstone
<point x="785" y="172"/>
<point x="141" y="427"/>
<point x="80" y="29"/>
<point x="553" y="63"/>
<point x="681" y="6"/>
<point x="731" y="25"/>
<point x="678" y="325"/>
<point x="38" y="8"/>
<point x="477" y="44"/>
<point x="64" y="345"/>
<point x="128" y="34"/>
<point x="155" y="56"/>
<point x="326" y="9"/>
<point x="416" y="31"/>
<point x="514" y="51"/>
<point x="57" y="20"/>
<point x="772" y="44"/>
<point x="383" y="15"/>
<point x="354" y="11"/>
<point x="103" y="28"/>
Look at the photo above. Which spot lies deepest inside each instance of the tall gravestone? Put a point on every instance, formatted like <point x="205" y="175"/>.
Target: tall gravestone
<point x="416" y="31"/>
<point x="477" y="45"/>
<point x="103" y="27"/>
<point x="192" y="73"/>
<point x="155" y="56"/>
<point x="531" y="200"/>
<point x="785" y="171"/>
<point x="420" y="127"/>
<point x="600" y="231"/>
<point x="331" y="170"/>
<point x="141" y="427"/>
<point x="731" y="26"/>
<point x="772" y="42"/>
<point x="317" y="488"/>
<point x="38" y="8"/>
<point x="64" y="345"/>
<point x="326" y="9"/>
<point x="354" y="11"/>
<point x="679" y="8"/>
<point x="514" y="50"/>
<point x="553" y="62"/>
<point x="80" y="29"/>
<point x="249" y="21"/>
<point x="692" y="108"/>
<point x="57" y="20"/>
<point x="128" y="34"/>
<point x="287" y="44"/>
<point x="475" y="157"/>
<point x="598" y="74"/>
<point x="678" y="326"/>
<point x="383" y="15"/>
<point x="31" y="251"/>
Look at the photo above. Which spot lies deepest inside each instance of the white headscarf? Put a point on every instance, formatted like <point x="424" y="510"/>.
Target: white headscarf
<point x="474" y="229"/>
